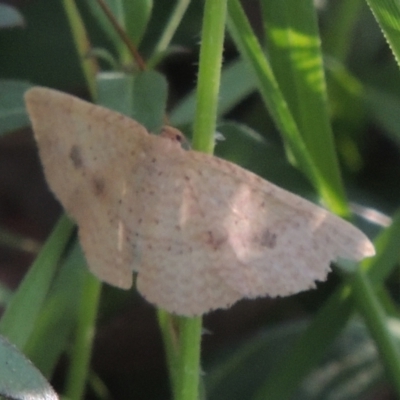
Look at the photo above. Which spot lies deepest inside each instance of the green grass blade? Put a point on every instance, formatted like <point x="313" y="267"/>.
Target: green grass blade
<point x="340" y="26"/>
<point x="82" y="347"/>
<point x="136" y="17"/>
<point x="172" y="25"/>
<point x="168" y="324"/>
<point x="12" y="108"/>
<point x="82" y="45"/>
<point x="387" y="13"/>
<point x="296" y="58"/>
<point x="251" y="51"/>
<point x="20" y="316"/>
<point x="19" y="379"/>
<point x="58" y="316"/>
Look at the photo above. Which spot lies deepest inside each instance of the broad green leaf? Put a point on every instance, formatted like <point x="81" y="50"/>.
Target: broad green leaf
<point x="384" y="109"/>
<point x="136" y="17"/>
<point x="10" y="17"/>
<point x="19" y="378"/>
<point x="5" y="295"/>
<point x="343" y="16"/>
<point x="149" y="99"/>
<point x="250" y="150"/>
<point x="142" y="96"/>
<point x="12" y="107"/>
<point x="114" y="91"/>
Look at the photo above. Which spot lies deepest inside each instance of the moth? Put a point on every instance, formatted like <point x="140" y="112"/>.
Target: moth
<point x="200" y="232"/>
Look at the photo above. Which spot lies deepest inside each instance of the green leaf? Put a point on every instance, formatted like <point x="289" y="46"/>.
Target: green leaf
<point x="137" y="14"/>
<point x="387" y="13"/>
<point x="58" y="316"/>
<point x="102" y="20"/>
<point x="131" y="16"/>
<point x="249" y="149"/>
<point x="12" y="107"/>
<point x="340" y="25"/>
<point x="384" y="109"/>
<point x="114" y="91"/>
<point x="142" y="96"/>
<point x="19" y="378"/>
<point x="21" y="314"/>
<point x="10" y="17"/>
<point x="149" y="99"/>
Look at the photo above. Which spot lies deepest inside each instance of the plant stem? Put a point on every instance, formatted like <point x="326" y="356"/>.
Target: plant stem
<point x="169" y="331"/>
<point x="82" y="348"/>
<point x="212" y="40"/>
<point x="187" y="375"/>
<point x="189" y="355"/>
<point x="123" y="35"/>
<point x="88" y="64"/>
<point x="173" y="23"/>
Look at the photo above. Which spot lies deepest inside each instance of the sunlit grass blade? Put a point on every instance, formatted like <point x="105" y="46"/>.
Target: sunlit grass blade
<point x="251" y="51"/>
<point x="296" y="58"/>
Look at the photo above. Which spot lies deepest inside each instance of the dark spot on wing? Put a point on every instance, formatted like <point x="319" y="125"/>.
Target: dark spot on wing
<point x="214" y="241"/>
<point x="98" y="186"/>
<point x="268" y="239"/>
<point x="76" y="156"/>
